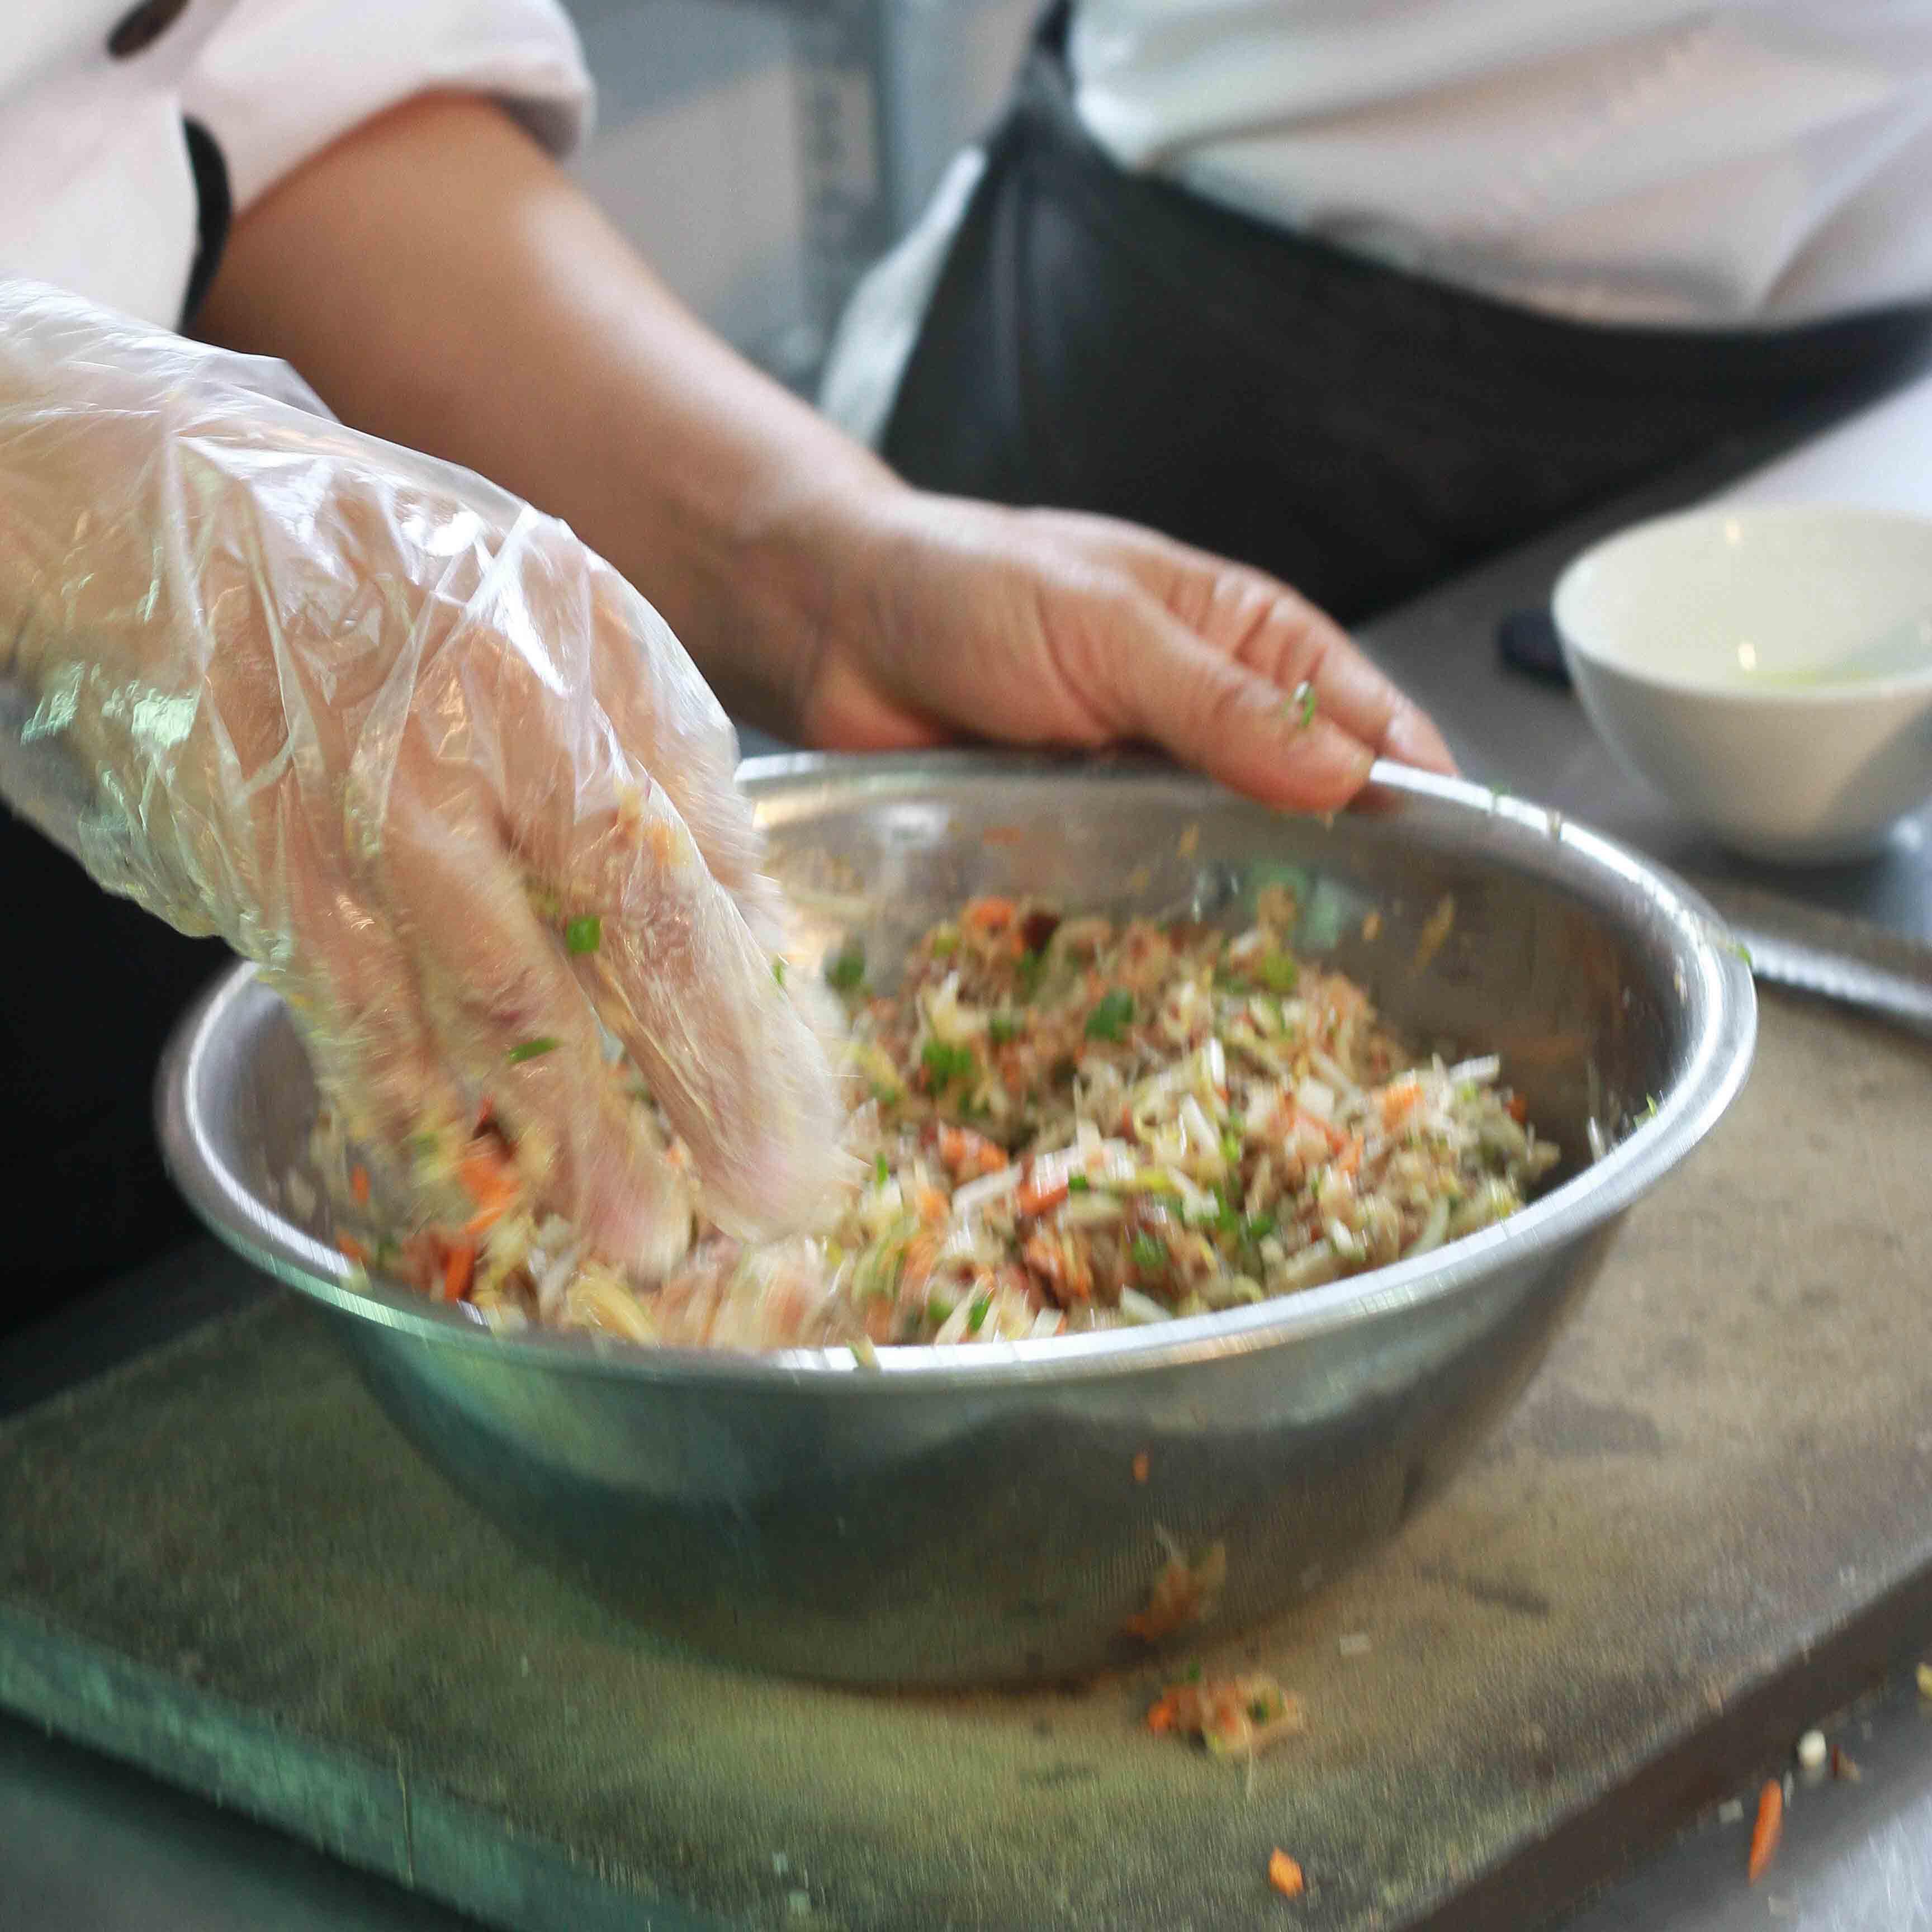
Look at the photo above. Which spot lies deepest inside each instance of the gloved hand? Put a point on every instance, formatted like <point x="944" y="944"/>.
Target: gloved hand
<point x="409" y="745"/>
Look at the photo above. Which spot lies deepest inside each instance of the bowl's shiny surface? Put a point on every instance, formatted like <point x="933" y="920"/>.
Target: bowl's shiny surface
<point x="1767" y="668"/>
<point x="975" y="1514"/>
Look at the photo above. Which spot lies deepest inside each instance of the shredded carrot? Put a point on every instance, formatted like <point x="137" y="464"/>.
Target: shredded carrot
<point x="1400" y="1098"/>
<point x="1065" y="1274"/>
<point x="358" y="1184"/>
<point x="1162" y="1716"/>
<point x="1768" y="1829"/>
<point x="1285" y="1875"/>
<point x="1173" y="1603"/>
<point x="459" y="1270"/>
<point x="1300" y="1117"/>
<point x="1181" y="1596"/>
<point x="966" y="1154"/>
<point x="1519" y="1109"/>
<point x="353" y="1250"/>
<point x="1040" y="1197"/>
<point x="933" y="1206"/>
<point x="490" y="1181"/>
<point x="988" y="915"/>
<point x="486" y="1175"/>
<point x="1140" y="1467"/>
<point x="921" y="1251"/>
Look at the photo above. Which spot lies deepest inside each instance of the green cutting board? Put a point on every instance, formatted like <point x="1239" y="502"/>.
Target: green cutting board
<point x="1707" y="1519"/>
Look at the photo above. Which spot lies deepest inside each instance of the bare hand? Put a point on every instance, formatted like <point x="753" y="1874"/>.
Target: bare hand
<point x="1046" y="627"/>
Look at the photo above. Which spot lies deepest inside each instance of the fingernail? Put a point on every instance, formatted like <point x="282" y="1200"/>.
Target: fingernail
<point x="1412" y="741"/>
<point x="1324" y="747"/>
<point x="1325" y="767"/>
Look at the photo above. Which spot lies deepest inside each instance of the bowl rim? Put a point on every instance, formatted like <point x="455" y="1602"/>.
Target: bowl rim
<point x="1719" y="1062"/>
<point x="1880" y="691"/>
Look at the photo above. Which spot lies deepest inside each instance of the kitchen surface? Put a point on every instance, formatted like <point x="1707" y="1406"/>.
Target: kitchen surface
<point x="254" y="1674"/>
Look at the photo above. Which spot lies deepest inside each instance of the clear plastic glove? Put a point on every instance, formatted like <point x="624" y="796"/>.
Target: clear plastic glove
<point x="412" y="747"/>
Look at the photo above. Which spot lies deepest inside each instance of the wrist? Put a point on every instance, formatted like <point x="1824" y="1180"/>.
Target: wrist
<point x="791" y="579"/>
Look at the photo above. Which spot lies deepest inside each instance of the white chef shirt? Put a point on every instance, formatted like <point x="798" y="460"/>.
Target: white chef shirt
<point x="100" y="196"/>
<point x="1688" y="163"/>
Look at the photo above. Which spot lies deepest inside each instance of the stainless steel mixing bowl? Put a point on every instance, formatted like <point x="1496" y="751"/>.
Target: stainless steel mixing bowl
<point x="979" y="1514"/>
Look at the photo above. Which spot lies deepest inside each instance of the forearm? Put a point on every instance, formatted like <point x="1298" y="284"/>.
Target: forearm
<point x="442" y="283"/>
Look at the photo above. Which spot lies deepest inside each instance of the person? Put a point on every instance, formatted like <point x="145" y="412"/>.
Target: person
<point x="1363" y="295"/>
<point x="284" y="669"/>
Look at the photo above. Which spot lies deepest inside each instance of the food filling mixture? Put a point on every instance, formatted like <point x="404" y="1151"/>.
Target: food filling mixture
<point x="1060" y="1124"/>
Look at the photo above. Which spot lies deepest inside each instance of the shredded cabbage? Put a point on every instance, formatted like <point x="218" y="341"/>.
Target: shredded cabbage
<point x="1067" y="1125"/>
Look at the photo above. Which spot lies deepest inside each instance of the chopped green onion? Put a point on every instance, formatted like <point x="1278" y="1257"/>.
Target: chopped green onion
<point x="583" y="935"/>
<point x="936" y="1309"/>
<point x="1301" y="704"/>
<point x="1112" y="1016"/>
<point x="1192" y="1673"/>
<point x="1258" y="1709"/>
<point x="882" y="1169"/>
<point x="530" y="1049"/>
<point x="1001" y="1028"/>
<point x="1741" y="950"/>
<point x="845" y="970"/>
<point x="1279" y="972"/>
<point x="945" y="941"/>
<point x="778" y="970"/>
<point x="946" y="1062"/>
<point x="1147" y="1254"/>
<point x="424" y="1146"/>
<point x="975" y="1318"/>
<point x="1030" y="970"/>
<point x="1078" y="1183"/>
<point x="1230" y="1149"/>
<point x="1258" y="1227"/>
<point x="886" y="1095"/>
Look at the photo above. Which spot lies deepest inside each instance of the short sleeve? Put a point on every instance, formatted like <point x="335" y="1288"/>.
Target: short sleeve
<point x="276" y="81"/>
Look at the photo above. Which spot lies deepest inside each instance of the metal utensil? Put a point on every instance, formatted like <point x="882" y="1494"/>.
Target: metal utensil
<point x="1003" y="1512"/>
<point x="1832" y="958"/>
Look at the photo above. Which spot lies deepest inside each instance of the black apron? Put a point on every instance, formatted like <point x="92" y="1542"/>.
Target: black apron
<point x="1104" y="341"/>
<point x="92" y="985"/>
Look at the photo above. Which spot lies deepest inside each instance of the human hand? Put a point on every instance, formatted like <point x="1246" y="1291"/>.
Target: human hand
<point x="408" y="744"/>
<point x="822" y="597"/>
<point x="1047" y="628"/>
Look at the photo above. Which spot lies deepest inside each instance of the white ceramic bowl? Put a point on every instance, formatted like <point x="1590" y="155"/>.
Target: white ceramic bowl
<point x="1769" y="670"/>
